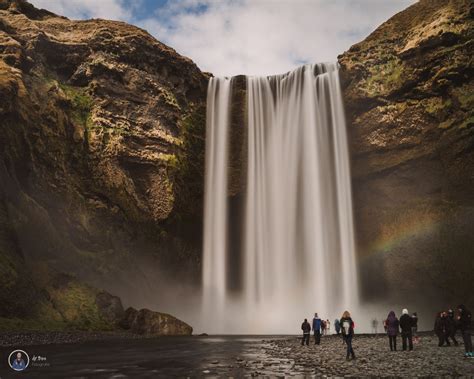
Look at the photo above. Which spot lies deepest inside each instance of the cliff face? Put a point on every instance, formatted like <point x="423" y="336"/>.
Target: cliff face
<point x="101" y="153"/>
<point x="408" y="91"/>
<point x="102" y="150"/>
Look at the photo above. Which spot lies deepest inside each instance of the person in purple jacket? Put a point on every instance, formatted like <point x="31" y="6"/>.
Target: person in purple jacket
<point x="392" y="325"/>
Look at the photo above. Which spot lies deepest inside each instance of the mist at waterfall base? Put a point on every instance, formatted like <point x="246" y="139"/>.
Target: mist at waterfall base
<point x="296" y="252"/>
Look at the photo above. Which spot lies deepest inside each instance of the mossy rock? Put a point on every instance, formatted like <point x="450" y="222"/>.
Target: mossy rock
<point x="384" y="78"/>
<point x="64" y="303"/>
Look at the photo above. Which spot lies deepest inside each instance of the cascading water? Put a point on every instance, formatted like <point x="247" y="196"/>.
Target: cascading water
<point x="297" y="252"/>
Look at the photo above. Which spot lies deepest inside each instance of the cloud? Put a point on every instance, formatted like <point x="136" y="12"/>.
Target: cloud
<point x="253" y="37"/>
<point x="261" y="37"/>
<point x="83" y="9"/>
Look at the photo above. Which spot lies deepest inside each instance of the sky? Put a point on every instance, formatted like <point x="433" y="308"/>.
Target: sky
<point x="251" y="37"/>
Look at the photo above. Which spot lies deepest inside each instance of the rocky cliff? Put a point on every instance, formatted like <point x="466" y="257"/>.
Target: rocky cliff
<point x="101" y="156"/>
<point x="101" y="163"/>
<point x="408" y="90"/>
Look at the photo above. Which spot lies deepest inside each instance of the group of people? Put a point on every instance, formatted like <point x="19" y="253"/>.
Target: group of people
<point x="408" y="326"/>
<point x="447" y="324"/>
<point x="344" y="326"/>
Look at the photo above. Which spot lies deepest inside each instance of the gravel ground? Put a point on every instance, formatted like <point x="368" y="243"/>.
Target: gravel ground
<point x="374" y="358"/>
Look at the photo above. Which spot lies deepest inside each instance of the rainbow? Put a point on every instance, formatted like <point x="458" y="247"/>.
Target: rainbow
<point x="395" y="234"/>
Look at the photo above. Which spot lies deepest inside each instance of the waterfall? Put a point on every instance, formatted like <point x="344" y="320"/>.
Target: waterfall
<point x="297" y="253"/>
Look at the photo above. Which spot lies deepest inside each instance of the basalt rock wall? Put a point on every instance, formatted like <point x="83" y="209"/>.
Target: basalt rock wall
<point x="408" y="91"/>
<point x="101" y="156"/>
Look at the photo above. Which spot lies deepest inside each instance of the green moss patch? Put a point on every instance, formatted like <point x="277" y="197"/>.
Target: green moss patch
<point x="8" y="272"/>
<point x="81" y="103"/>
<point x="58" y="302"/>
<point x="465" y="97"/>
<point x="384" y="78"/>
<point x="76" y="303"/>
<point x="437" y="107"/>
<point x="446" y="124"/>
<point x="467" y="123"/>
<point x="169" y="98"/>
<point x="187" y="167"/>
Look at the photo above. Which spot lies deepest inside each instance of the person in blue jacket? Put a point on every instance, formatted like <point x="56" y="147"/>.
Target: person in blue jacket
<point x="337" y="326"/>
<point x="18" y="363"/>
<point x="317" y="329"/>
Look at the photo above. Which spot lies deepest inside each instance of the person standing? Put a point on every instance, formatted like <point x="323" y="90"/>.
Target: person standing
<point x="465" y="324"/>
<point x="306" y="328"/>
<point x="375" y="324"/>
<point x="451" y="328"/>
<point x="392" y="324"/>
<point x="439" y="328"/>
<point x="406" y="324"/>
<point x="328" y="327"/>
<point x="414" y="328"/>
<point x="317" y="329"/>
<point x="347" y="329"/>
<point x="337" y="326"/>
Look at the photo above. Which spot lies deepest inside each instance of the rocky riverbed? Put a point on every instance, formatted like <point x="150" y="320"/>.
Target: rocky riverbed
<point x="237" y="356"/>
<point x="374" y="358"/>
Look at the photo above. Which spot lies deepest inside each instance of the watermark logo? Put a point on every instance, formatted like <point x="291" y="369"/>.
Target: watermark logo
<point x="18" y="360"/>
<point x="39" y="361"/>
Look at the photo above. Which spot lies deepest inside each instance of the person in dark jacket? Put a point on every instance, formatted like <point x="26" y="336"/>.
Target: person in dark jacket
<point x="451" y="328"/>
<point x="440" y="328"/>
<point x="465" y="324"/>
<point x="392" y="325"/>
<point x="317" y="329"/>
<point x="337" y="326"/>
<point x="306" y="328"/>
<point x="406" y="323"/>
<point x="414" y="327"/>
<point x="347" y="329"/>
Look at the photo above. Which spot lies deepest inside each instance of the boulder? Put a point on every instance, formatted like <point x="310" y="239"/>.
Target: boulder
<point x="110" y="307"/>
<point x="148" y="322"/>
<point x="129" y="315"/>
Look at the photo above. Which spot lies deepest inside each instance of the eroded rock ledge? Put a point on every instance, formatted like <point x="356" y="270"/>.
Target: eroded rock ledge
<point x="101" y="156"/>
<point x="408" y="92"/>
